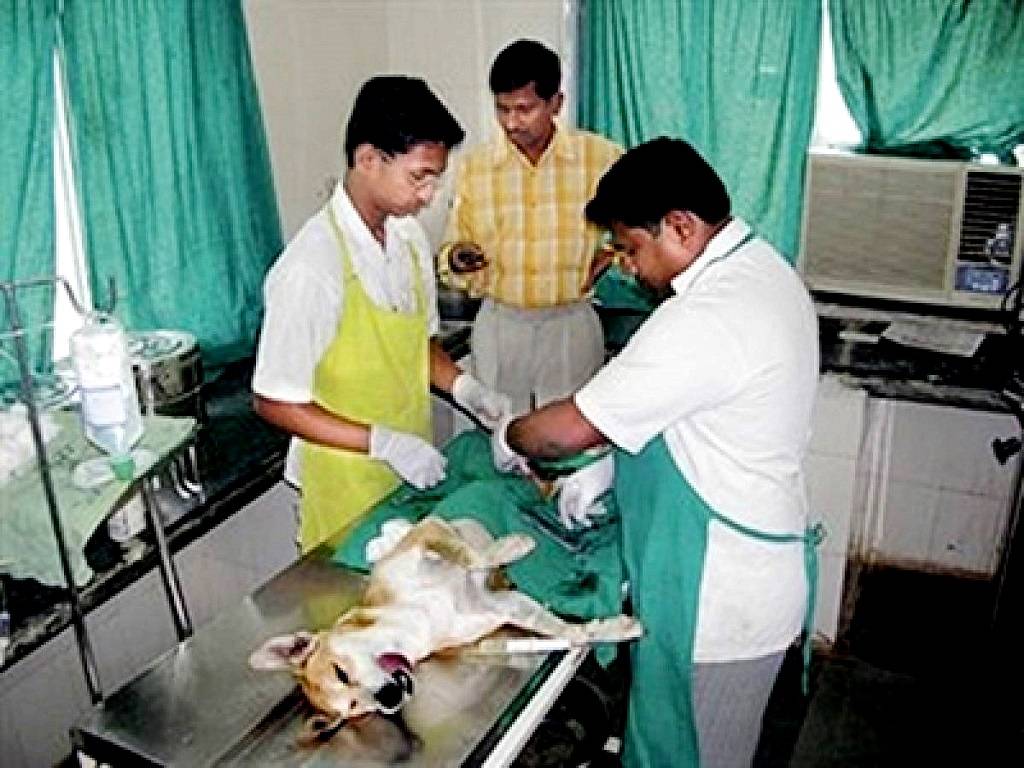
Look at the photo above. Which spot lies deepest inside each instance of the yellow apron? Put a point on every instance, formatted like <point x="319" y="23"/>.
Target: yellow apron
<point x="375" y="371"/>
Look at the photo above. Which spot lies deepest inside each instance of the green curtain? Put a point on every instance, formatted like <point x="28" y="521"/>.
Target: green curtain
<point x="736" y="78"/>
<point x="932" y="77"/>
<point x="27" y="29"/>
<point x="172" y="165"/>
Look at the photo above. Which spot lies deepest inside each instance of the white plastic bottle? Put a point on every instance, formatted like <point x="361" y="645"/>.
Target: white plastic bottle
<point x="111" y="417"/>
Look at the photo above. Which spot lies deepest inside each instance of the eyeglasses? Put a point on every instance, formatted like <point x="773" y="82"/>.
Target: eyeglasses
<point x="420" y="179"/>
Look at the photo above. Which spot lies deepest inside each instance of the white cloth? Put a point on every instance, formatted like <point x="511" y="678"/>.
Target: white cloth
<point x="727" y="370"/>
<point x="547" y="352"/>
<point x="304" y="297"/>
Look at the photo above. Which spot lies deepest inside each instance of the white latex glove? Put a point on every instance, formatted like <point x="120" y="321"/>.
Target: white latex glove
<point x="505" y="459"/>
<point x="414" y="459"/>
<point x="488" y="406"/>
<point x="579" y="492"/>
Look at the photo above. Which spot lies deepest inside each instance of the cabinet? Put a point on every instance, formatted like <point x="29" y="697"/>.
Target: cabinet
<point x="932" y="495"/>
<point x="42" y="695"/>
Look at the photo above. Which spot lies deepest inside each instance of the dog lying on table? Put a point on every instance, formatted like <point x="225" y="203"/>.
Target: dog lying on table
<point x="433" y="586"/>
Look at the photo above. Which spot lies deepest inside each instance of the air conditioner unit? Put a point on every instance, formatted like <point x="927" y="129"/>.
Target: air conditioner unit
<point x="936" y="231"/>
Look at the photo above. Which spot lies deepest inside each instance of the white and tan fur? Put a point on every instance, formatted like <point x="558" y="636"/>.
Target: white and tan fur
<point x="439" y="587"/>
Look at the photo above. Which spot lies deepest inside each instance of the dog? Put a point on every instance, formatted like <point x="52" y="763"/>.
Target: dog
<point x="433" y="586"/>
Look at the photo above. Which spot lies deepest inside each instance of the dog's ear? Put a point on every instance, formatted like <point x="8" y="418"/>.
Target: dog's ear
<point x="283" y="652"/>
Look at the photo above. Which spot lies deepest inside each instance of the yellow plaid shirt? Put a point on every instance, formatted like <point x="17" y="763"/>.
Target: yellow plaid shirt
<point x="528" y="219"/>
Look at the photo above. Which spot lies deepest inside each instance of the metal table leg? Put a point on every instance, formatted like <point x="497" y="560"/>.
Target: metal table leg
<point x="168" y="571"/>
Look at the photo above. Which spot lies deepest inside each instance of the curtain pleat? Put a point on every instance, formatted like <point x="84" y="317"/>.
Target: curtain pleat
<point x="942" y="78"/>
<point x="27" y="30"/>
<point x="172" y="165"/>
<point x="736" y="78"/>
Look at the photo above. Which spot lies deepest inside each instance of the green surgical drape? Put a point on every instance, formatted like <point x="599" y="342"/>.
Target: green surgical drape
<point x="932" y="77"/>
<point x="736" y="78"/>
<point x="172" y="165"/>
<point x="27" y="31"/>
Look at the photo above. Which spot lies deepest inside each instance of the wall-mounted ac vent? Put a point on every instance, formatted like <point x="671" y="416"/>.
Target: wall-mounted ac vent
<point x="934" y="231"/>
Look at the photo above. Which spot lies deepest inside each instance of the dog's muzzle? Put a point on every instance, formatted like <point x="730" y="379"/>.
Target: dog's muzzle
<point x="392" y="695"/>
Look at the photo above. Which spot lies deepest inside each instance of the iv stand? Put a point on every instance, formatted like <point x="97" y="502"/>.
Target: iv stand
<point x="17" y="332"/>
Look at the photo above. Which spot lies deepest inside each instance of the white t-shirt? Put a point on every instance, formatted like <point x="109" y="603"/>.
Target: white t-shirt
<point x="304" y="297"/>
<point x="727" y="369"/>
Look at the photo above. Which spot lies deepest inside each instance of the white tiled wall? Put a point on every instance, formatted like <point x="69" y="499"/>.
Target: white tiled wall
<point x="42" y="695"/>
<point x="831" y="468"/>
<point x="943" y="498"/>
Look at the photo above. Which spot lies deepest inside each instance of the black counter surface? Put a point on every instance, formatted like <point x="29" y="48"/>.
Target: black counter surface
<point x="985" y="381"/>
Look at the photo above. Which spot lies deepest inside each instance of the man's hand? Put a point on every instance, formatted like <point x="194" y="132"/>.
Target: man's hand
<point x="604" y="258"/>
<point x="488" y="406"/>
<point x="579" y="492"/>
<point x="465" y="256"/>
<point x="505" y="459"/>
<point x="414" y="459"/>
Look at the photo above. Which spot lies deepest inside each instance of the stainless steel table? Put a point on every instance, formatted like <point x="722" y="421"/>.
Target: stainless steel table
<point x="200" y="704"/>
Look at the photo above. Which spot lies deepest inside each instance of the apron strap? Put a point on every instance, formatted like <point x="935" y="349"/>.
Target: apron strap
<point x="811" y="538"/>
<point x="418" y="288"/>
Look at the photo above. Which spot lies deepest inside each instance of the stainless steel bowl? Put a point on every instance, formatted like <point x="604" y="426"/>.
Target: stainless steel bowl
<point x="168" y="372"/>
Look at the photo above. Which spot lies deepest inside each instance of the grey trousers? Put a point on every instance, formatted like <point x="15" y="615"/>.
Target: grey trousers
<point x="536" y="355"/>
<point x="730" y="699"/>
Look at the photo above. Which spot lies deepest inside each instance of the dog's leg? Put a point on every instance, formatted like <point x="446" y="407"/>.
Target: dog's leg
<point x="523" y="611"/>
<point x="506" y="550"/>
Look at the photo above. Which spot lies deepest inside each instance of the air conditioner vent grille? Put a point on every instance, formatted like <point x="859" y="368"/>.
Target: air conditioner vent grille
<point x="990" y="199"/>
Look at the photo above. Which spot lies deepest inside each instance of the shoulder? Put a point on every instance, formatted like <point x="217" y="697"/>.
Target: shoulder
<point x="310" y="257"/>
<point x="597" y="144"/>
<point x="477" y="156"/>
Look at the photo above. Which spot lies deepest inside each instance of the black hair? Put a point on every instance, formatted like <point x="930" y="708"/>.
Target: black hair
<point x="654" y="178"/>
<point x="394" y="113"/>
<point x="524" y="62"/>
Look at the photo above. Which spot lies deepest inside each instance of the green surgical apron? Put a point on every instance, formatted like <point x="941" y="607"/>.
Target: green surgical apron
<point x="664" y="541"/>
<point x="376" y="370"/>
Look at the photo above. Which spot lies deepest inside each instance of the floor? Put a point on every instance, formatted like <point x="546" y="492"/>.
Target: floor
<point x="920" y="678"/>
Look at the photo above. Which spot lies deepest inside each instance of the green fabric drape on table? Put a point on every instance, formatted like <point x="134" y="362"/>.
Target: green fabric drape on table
<point x="172" y="165"/>
<point x="27" y="31"/>
<point x="735" y="78"/>
<point x="583" y="580"/>
<point x="932" y="77"/>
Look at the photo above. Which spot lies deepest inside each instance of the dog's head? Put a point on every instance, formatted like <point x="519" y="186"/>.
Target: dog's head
<point x="338" y="673"/>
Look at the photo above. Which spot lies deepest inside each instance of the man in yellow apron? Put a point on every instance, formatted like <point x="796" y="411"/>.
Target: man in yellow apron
<point x="709" y="408"/>
<point x="345" y="359"/>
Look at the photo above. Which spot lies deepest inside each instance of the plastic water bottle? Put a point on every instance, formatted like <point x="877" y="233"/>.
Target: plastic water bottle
<point x="997" y="247"/>
<point x="111" y="417"/>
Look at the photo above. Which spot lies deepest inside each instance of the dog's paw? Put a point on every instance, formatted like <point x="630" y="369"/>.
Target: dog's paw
<point x="508" y="549"/>
<point x="616" y="629"/>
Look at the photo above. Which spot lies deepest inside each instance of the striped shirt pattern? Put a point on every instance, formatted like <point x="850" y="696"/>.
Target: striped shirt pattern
<point x="528" y="219"/>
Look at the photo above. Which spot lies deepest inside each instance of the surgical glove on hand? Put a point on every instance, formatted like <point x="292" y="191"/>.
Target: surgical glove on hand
<point x="505" y="459"/>
<point x="414" y="459"/>
<point x="579" y="492"/>
<point x="488" y="406"/>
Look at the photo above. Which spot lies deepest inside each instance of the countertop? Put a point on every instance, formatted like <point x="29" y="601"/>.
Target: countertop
<point x="985" y="380"/>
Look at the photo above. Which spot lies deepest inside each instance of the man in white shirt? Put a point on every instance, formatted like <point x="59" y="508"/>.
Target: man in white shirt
<point x="346" y="359"/>
<point x="709" y="405"/>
